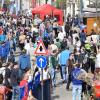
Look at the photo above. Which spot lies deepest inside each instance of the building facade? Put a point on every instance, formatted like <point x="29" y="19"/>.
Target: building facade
<point x="74" y="7"/>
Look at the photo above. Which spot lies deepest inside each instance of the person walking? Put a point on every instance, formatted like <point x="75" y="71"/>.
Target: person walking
<point x="24" y="62"/>
<point x="63" y="58"/>
<point x="83" y="37"/>
<point x="70" y="66"/>
<point x="76" y="83"/>
<point x="53" y="64"/>
<point x="24" y="87"/>
<point x="14" y="81"/>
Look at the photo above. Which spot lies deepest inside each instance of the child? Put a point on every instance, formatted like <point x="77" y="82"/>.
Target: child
<point x="24" y="87"/>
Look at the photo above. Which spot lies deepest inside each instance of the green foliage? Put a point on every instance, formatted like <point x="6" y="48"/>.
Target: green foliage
<point x="60" y="3"/>
<point x="7" y="1"/>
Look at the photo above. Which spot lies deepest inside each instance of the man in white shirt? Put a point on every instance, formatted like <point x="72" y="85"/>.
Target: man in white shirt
<point x="97" y="62"/>
<point x="61" y="35"/>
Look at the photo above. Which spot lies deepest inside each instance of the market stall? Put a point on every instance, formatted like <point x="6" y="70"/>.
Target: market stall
<point x="47" y="9"/>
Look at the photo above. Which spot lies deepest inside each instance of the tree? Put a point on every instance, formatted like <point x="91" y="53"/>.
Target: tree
<point x="7" y="1"/>
<point x="61" y="4"/>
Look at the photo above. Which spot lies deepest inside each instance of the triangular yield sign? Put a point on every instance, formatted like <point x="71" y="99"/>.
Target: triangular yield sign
<point x="41" y="50"/>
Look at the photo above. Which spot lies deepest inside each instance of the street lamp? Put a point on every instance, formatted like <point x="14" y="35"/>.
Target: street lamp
<point x="96" y="23"/>
<point x="81" y="9"/>
<point x="96" y="10"/>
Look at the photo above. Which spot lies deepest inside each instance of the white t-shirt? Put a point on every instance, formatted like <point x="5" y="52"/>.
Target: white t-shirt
<point x="78" y="44"/>
<point x="23" y="20"/>
<point x="34" y="29"/>
<point x="61" y="36"/>
<point x="97" y="62"/>
<point x="27" y="47"/>
<point x="15" y="21"/>
<point x="45" y="75"/>
<point x="2" y="71"/>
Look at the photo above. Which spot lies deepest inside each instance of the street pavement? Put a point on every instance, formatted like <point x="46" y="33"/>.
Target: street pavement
<point x="60" y="92"/>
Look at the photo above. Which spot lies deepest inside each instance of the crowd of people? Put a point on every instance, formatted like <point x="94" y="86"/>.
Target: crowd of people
<point x="69" y="49"/>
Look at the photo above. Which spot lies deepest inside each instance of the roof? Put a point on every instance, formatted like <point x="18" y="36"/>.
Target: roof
<point x="46" y="9"/>
<point x="91" y="12"/>
<point x="91" y="15"/>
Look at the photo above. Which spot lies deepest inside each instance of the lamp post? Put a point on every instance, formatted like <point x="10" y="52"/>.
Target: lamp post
<point x="81" y="9"/>
<point x="73" y="3"/>
<point x="96" y="9"/>
<point x="96" y="23"/>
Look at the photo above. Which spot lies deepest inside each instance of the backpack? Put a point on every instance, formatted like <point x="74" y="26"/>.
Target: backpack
<point x="36" y="81"/>
<point x="78" y="74"/>
<point x="22" y="92"/>
<point x="19" y="92"/>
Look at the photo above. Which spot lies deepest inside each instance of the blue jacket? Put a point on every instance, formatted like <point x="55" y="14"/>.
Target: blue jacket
<point x="2" y="37"/>
<point x="64" y="55"/>
<point x="7" y="47"/>
<point x="3" y="50"/>
<point x="83" y="37"/>
<point x="32" y="85"/>
<point x="24" y="61"/>
<point x="75" y="73"/>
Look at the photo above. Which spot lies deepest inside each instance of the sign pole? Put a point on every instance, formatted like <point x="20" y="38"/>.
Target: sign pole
<point x="42" y="84"/>
<point x="41" y="63"/>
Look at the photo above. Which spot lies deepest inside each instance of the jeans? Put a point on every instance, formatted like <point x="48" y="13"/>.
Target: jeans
<point x="64" y="72"/>
<point x="61" y="71"/>
<point x="21" y="73"/>
<point x="53" y="76"/>
<point x="77" y="91"/>
<point x="68" y="81"/>
<point x="16" y="93"/>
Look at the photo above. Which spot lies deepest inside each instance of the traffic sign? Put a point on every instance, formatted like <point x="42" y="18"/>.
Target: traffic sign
<point x="41" y="62"/>
<point x="41" y="50"/>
